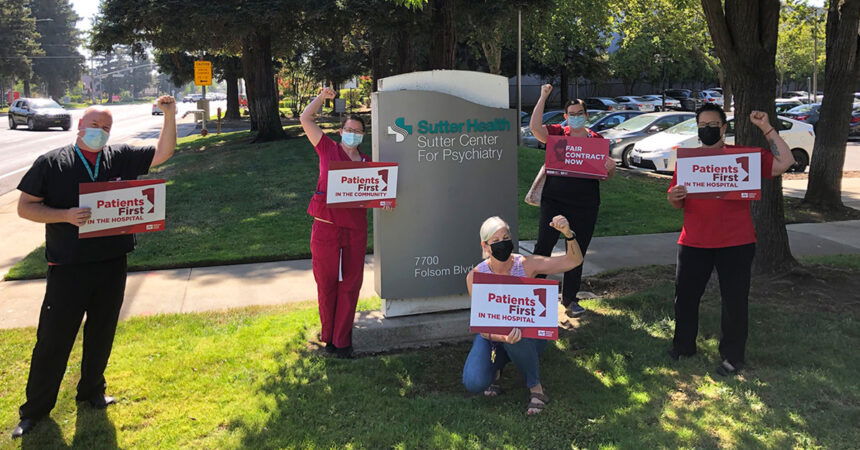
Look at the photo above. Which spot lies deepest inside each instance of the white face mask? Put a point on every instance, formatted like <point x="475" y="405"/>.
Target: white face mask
<point x="95" y="138"/>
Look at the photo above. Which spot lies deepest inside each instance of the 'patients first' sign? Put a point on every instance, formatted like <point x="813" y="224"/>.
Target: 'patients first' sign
<point x="501" y="303"/>
<point x="728" y="173"/>
<point x="361" y="185"/>
<point x="122" y="207"/>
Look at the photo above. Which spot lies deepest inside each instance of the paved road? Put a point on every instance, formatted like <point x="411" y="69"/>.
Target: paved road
<point x="19" y="148"/>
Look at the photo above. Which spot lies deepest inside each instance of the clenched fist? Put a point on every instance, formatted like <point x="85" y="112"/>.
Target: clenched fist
<point x="561" y="224"/>
<point x="166" y="104"/>
<point x="327" y="93"/>
<point x="545" y="90"/>
<point x="760" y="119"/>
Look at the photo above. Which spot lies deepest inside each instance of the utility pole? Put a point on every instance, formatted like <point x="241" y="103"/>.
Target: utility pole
<point x="519" y="74"/>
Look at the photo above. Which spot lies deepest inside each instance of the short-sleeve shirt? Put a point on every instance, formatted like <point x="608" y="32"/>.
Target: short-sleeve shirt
<point x="56" y="176"/>
<point x="717" y="223"/>
<point x="356" y="218"/>
<point x="569" y="191"/>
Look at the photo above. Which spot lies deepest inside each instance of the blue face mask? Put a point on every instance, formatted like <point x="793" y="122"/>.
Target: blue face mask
<point x="576" y="121"/>
<point x="350" y="139"/>
<point x="95" y="138"/>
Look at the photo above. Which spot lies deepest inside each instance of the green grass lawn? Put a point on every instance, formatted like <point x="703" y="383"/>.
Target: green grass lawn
<point x="247" y="378"/>
<point x="230" y="201"/>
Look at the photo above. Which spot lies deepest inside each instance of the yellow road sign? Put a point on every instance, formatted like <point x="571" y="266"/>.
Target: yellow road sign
<point x="203" y="73"/>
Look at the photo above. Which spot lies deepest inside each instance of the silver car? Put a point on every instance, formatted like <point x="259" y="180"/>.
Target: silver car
<point x="657" y="101"/>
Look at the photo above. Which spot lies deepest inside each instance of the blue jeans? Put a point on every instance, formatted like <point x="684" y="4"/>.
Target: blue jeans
<point x="479" y="372"/>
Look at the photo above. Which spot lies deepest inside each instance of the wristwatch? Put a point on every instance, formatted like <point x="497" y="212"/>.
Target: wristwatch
<point x="572" y="237"/>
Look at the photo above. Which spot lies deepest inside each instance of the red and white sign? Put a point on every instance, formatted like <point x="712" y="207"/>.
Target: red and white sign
<point x="123" y="207"/>
<point x="726" y="173"/>
<point x="361" y="184"/>
<point x="501" y="303"/>
<point x="576" y="157"/>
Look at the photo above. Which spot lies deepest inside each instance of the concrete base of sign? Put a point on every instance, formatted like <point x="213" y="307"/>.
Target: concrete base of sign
<point x="374" y="333"/>
<point x="412" y="306"/>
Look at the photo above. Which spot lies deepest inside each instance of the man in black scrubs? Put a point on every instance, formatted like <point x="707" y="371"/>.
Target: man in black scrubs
<point x="84" y="275"/>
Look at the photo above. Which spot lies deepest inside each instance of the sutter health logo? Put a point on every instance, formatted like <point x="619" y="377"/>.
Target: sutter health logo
<point x="400" y="129"/>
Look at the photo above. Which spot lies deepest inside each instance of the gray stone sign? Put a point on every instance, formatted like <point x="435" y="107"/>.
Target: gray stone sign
<point x="458" y="166"/>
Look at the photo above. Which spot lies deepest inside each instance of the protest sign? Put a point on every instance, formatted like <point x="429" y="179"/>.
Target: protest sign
<point x="576" y="157"/>
<point x="501" y="303"/>
<point x="122" y="207"/>
<point x="361" y="185"/>
<point x="726" y="173"/>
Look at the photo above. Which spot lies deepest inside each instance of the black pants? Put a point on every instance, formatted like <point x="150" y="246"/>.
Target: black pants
<point x="582" y="221"/>
<point x="734" y="265"/>
<point x="96" y="289"/>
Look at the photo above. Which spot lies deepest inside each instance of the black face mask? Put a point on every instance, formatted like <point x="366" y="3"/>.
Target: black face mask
<point x="502" y="250"/>
<point x="709" y="135"/>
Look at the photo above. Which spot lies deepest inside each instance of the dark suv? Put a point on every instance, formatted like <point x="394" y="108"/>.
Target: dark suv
<point x="38" y="114"/>
<point x="690" y="101"/>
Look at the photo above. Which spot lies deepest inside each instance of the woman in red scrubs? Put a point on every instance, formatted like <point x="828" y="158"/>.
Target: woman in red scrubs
<point x="339" y="235"/>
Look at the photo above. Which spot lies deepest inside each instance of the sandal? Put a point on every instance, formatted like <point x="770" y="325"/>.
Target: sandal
<point x="539" y="405"/>
<point x="494" y="389"/>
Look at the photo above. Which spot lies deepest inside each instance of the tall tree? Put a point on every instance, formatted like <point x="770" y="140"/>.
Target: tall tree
<point x="800" y="25"/>
<point x="572" y="37"/>
<point x="841" y="74"/>
<point x="17" y="40"/>
<point x="745" y="36"/>
<point x="62" y="64"/>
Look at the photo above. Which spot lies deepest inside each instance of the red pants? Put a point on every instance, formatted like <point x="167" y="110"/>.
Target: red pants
<point x="337" y="251"/>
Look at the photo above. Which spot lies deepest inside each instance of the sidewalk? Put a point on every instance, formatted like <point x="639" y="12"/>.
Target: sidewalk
<point x="850" y="190"/>
<point x="224" y="287"/>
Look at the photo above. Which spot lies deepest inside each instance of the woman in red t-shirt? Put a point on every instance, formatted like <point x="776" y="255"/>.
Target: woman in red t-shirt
<point x="338" y="235"/>
<point x="719" y="233"/>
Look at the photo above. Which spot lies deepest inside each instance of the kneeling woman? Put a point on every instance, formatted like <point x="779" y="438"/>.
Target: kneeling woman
<point x="491" y="352"/>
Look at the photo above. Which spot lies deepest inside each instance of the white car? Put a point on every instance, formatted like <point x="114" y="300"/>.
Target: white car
<point x="657" y="101"/>
<point x="635" y="103"/>
<point x="657" y="152"/>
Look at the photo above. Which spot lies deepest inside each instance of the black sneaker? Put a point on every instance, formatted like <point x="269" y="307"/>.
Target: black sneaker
<point x="344" y="353"/>
<point x="676" y="355"/>
<point x="728" y="369"/>
<point x="574" y="310"/>
<point x="24" y="427"/>
<point x="330" y="348"/>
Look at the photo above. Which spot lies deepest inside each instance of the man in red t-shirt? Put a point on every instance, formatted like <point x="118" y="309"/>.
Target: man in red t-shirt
<point x="719" y="233"/>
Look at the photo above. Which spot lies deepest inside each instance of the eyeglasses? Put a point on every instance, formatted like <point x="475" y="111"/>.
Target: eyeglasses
<point x="715" y="124"/>
<point x="353" y="130"/>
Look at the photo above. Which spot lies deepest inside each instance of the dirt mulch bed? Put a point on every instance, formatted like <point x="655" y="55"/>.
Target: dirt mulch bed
<point x="797" y="212"/>
<point x="828" y="288"/>
<point x="805" y="175"/>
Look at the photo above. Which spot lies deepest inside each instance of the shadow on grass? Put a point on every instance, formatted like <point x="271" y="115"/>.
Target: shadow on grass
<point x="93" y="430"/>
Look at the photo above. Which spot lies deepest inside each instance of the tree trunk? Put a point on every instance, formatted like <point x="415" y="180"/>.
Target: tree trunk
<point x="842" y="69"/>
<point x="232" y="79"/>
<point x="27" y="93"/>
<point x="405" y="52"/>
<point x="258" y="66"/>
<point x="745" y="37"/>
<point x="443" y="41"/>
<point x="249" y="94"/>
<point x="563" y="90"/>
<point x="376" y="70"/>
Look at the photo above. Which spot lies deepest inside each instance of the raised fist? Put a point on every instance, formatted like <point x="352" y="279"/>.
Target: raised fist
<point x="545" y="90"/>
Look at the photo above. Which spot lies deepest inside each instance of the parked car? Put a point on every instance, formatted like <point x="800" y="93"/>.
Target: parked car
<point x="689" y="100"/>
<point x="785" y="104"/>
<point x="657" y="152"/>
<point x="524" y="118"/>
<point x="605" y="120"/>
<point x="623" y="137"/>
<point x="635" y="103"/>
<point x="657" y="100"/>
<point x="854" y="124"/>
<point x="711" y="96"/>
<point x="156" y="111"/>
<point x="602" y="103"/>
<point x="549" y="118"/>
<point x="38" y="114"/>
<point x="805" y="113"/>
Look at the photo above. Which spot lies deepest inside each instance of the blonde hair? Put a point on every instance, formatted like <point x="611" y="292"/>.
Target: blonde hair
<point x="489" y="228"/>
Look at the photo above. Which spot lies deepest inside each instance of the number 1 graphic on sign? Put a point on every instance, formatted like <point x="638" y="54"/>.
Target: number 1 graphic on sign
<point x="150" y="195"/>
<point x="541" y="294"/>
